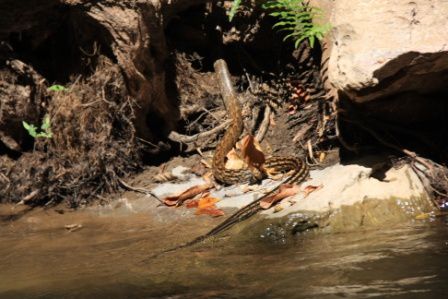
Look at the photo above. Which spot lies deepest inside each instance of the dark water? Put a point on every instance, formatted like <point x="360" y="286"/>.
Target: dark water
<point x="105" y="261"/>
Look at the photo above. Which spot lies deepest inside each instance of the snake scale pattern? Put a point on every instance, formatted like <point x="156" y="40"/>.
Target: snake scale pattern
<point x="231" y="176"/>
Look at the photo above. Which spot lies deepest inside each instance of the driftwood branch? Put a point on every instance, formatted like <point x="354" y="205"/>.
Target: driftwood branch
<point x="174" y="136"/>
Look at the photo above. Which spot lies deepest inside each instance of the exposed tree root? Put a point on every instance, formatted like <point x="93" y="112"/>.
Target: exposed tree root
<point x="433" y="175"/>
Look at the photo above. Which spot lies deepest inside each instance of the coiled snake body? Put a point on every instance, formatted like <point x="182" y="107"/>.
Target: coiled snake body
<point x="231" y="136"/>
<point x="232" y="176"/>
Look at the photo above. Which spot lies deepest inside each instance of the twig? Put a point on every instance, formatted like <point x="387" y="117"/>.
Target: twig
<point x="264" y="124"/>
<point x="429" y="165"/>
<point x="138" y="189"/>
<point x="338" y="131"/>
<point x="174" y="136"/>
<point x="148" y="143"/>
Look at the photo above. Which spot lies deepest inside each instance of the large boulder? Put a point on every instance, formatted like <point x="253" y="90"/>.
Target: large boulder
<point x="382" y="48"/>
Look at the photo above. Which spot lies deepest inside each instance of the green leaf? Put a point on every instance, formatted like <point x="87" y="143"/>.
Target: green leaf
<point x="30" y="128"/>
<point x="311" y="39"/>
<point x="44" y="135"/>
<point x="296" y="19"/>
<point x="235" y="5"/>
<point x="46" y="123"/>
<point x="298" y="41"/>
<point x="56" y="87"/>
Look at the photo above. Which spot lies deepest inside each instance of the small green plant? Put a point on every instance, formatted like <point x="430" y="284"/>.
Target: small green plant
<point x="297" y="19"/>
<point x="45" y="129"/>
<point x="235" y="5"/>
<point x="56" y="87"/>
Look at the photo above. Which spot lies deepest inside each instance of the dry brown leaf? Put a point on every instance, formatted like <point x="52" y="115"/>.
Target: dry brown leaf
<point x="177" y="200"/>
<point x="310" y="189"/>
<point x="284" y="191"/>
<point x="251" y="152"/>
<point x="207" y="201"/>
<point x="234" y="161"/>
<point x="207" y="206"/>
<point x="191" y="203"/>
<point x="215" y="212"/>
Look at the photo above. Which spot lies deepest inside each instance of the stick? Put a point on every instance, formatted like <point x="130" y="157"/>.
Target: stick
<point x="138" y="189"/>
<point x="264" y="124"/>
<point x="174" y="136"/>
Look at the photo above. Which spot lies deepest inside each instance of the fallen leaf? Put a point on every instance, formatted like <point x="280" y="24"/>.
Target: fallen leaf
<point x="191" y="203"/>
<point x="207" y="201"/>
<point x="310" y="189"/>
<point x="206" y="206"/>
<point x="234" y="161"/>
<point x="284" y="191"/>
<point x="251" y="152"/>
<point x="187" y="194"/>
<point x="215" y="212"/>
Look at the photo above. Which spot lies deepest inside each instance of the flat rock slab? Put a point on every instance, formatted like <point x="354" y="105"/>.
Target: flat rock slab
<point x="344" y="185"/>
<point x="384" y="47"/>
<point x="347" y="192"/>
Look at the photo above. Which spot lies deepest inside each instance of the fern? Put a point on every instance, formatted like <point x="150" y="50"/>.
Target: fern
<point x="235" y="5"/>
<point x="296" y="18"/>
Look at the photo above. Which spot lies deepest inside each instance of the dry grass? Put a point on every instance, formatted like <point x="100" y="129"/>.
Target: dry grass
<point x="93" y="143"/>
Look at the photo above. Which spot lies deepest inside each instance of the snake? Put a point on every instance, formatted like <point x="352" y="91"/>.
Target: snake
<point x="226" y="176"/>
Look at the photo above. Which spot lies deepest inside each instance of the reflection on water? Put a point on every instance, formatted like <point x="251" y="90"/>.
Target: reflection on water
<point x="104" y="260"/>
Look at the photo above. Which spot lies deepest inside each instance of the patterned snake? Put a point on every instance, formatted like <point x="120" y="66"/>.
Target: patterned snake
<point x="232" y="176"/>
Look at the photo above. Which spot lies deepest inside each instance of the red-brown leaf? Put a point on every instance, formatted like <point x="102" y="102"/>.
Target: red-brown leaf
<point x="310" y="189"/>
<point x="251" y="152"/>
<point x="206" y="206"/>
<point x="177" y="200"/>
<point x="211" y="211"/>
<point x="284" y="191"/>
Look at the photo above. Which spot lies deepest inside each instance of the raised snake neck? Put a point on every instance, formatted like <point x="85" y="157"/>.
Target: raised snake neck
<point x="231" y="136"/>
<point x="229" y="176"/>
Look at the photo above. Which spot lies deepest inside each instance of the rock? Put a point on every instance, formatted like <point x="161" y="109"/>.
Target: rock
<point x="352" y="198"/>
<point x="384" y="47"/>
<point x="349" y="197"/>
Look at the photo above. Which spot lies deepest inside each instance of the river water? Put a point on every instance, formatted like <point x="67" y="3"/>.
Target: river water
<point x="108" y="258"/>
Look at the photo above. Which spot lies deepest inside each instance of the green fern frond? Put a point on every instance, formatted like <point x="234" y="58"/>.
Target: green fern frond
<point x="297" y="18"/>
<point x="235" y="5"/>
